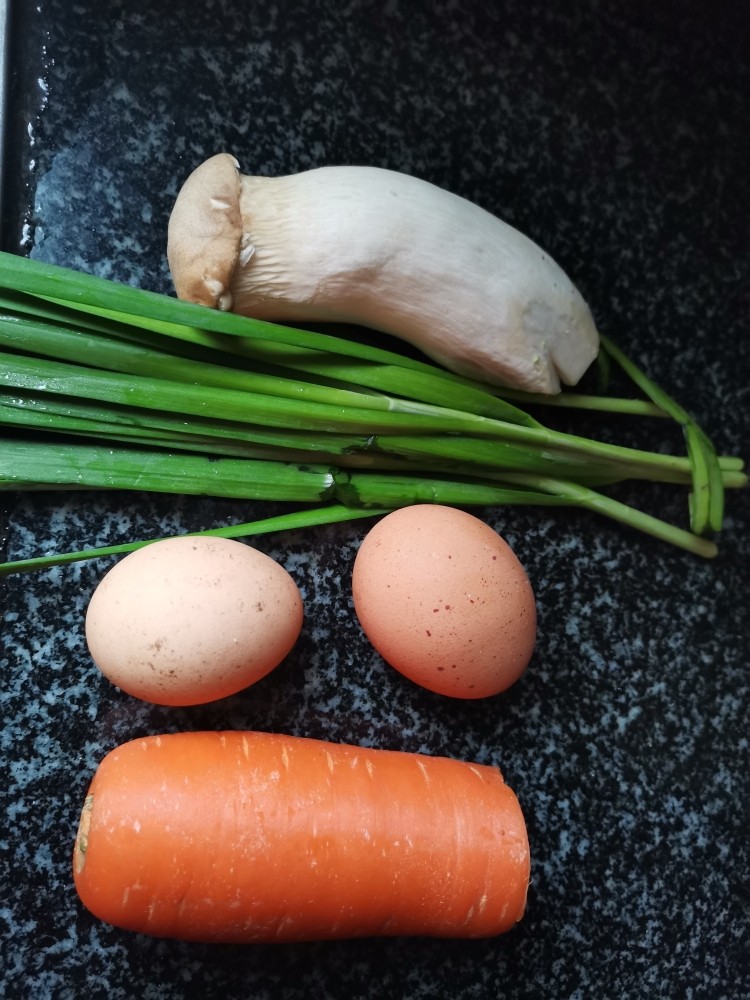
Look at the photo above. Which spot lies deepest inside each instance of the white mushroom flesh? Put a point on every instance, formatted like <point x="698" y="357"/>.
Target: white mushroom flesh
<point x="394" y="253"/>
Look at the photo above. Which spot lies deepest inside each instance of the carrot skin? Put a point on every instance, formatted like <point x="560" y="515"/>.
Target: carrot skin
<point x="257" y="837"/>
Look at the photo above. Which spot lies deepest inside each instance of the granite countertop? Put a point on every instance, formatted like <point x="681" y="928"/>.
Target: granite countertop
<point x="616" y="137"/>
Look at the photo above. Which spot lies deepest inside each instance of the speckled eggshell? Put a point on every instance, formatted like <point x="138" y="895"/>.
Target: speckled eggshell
<point x="444" y="599"/>
<point x="188" y="620"/>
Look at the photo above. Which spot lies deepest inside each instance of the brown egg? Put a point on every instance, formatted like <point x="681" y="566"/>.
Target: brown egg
<point x="188" y="620"/>
<point x="444" y="600"/>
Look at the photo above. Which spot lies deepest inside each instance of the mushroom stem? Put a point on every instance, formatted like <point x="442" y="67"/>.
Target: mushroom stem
<point x="387" y="251"/>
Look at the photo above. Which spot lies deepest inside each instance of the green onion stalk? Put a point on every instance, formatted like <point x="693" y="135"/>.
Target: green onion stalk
<point x="106" y="386"/>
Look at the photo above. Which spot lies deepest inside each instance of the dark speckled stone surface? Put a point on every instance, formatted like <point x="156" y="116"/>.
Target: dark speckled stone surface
<point x="616" y="136"/>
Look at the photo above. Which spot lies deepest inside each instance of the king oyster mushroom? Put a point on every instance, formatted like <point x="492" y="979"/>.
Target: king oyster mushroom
<point x="387" y="251"/>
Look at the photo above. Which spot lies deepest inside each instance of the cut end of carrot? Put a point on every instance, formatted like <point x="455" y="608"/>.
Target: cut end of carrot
<point x="82" y="837"/>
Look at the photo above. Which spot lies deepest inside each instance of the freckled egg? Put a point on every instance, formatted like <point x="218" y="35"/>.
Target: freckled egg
<point x="190" y="619"/>
<point x="444" y="599"/>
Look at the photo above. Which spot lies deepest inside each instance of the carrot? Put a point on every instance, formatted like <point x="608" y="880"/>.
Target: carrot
<point x="257" y="837"/>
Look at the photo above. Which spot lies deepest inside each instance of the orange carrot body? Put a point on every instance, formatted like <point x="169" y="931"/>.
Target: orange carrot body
<point x="256" y="837"/>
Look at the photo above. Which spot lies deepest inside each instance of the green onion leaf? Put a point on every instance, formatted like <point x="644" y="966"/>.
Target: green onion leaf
<point x="106" y="386"/>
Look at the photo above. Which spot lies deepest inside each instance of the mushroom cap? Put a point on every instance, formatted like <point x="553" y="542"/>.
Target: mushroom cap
<point x="204" y="233"/>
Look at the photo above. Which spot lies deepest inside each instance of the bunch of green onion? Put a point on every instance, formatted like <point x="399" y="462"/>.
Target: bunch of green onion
<point x="106" y="386"/>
